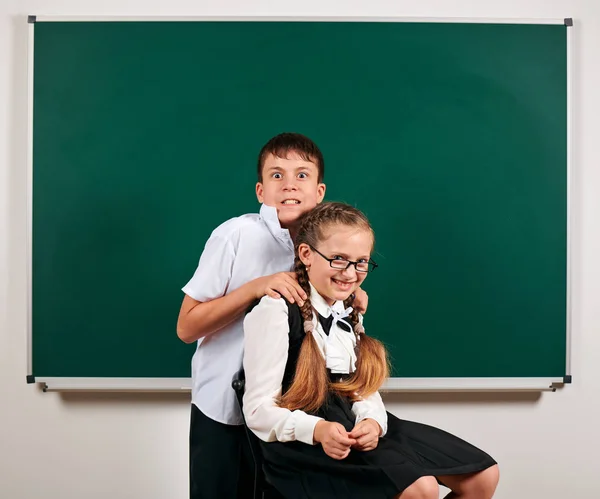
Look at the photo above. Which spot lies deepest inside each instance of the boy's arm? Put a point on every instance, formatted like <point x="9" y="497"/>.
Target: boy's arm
<point x="198" y="319"/>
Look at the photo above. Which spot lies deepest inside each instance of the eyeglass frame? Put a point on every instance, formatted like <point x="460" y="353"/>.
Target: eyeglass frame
<point x="350" y="262"/>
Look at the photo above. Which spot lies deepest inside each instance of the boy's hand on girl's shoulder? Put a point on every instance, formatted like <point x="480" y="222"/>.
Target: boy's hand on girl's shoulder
<point x="361" y="301"/>
<point x="282" y="284"/>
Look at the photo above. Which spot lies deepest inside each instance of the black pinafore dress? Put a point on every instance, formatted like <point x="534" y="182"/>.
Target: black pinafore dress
<point x="407" y="452"/>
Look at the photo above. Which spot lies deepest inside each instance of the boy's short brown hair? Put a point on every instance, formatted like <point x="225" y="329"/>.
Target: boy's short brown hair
<point x="284" y="143"/>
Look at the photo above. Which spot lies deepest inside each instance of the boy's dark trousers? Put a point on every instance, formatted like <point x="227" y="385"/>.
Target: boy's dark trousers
<point x="220" y="460"/>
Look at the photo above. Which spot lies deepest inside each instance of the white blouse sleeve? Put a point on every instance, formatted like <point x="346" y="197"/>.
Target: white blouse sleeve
<point x="266" y="343"/>
<point x="371" y="407"/>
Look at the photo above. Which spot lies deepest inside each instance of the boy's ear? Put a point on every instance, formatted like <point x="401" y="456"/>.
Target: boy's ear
<point x="305" y="254"/>
<point x="259" y="192"/>
<point x="320" y="192"/>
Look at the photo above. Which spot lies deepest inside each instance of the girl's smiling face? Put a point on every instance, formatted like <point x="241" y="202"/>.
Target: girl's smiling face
<point x="338" y="242"/>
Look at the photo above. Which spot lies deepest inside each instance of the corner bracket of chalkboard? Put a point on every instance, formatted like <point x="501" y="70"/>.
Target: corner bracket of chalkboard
<point x="30" y="379"/>
<point x="31" y="19"/>
<point x="568" y="21"/>
<point x="567" y="379"/>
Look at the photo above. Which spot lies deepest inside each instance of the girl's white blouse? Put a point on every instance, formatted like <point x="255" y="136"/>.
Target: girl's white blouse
<point x="266" y="343"/>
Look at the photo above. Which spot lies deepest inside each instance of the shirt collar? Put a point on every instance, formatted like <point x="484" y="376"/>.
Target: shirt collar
<point x="269" y="215"/>
<point x="321" y="306"/>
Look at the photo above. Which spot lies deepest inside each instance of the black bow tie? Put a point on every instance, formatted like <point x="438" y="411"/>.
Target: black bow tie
<point x="327" y="321"/>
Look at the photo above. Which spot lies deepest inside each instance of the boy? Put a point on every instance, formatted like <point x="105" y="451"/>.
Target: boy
<point x="244" y="259"/>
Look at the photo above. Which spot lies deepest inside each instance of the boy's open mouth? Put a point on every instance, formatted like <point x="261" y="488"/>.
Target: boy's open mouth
<point x="290" y="201"/>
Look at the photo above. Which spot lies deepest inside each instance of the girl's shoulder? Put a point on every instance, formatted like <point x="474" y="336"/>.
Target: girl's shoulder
<point x="266" y="304"/>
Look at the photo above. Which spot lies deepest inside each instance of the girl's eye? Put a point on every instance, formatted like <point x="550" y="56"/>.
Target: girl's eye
<point x="277" y="175"/>
<point x="302" y="175"/>
<point x="337" y="257"/>
<point x="363" y="260"/>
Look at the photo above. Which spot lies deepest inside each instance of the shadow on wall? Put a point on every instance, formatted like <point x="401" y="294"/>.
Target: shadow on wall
<point x="467" y="398"/>
<point x="450" y="399"/>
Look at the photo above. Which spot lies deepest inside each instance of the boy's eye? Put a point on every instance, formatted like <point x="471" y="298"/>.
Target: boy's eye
<point x="276" y="175"/>
<point x="302" y="175"/>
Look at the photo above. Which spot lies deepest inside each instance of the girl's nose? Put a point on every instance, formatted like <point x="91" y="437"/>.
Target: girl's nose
<point x="350" y="271"/>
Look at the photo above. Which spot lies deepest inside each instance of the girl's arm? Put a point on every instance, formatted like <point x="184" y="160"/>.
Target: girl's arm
<point x="266" y="343"/>
<point x="371" y="407"/>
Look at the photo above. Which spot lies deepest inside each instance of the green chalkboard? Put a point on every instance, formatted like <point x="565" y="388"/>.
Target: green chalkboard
<point x="451" y="137"/>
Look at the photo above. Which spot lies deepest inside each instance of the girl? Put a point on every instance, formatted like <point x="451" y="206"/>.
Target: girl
<point x="312" y="380"/>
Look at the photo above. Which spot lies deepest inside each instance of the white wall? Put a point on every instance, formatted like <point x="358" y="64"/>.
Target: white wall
<point x="133" y="446"/>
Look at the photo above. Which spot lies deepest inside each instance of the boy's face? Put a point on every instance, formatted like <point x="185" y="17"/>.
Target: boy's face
<point x="291" y="186"/>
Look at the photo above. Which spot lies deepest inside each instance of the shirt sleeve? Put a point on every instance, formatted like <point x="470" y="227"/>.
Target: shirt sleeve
<point x="212" y="277"/>
<point x="371" y="407"/>
<point x="266" y="343"/>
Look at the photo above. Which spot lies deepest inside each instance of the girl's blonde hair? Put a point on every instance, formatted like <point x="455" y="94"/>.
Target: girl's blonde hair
<point x="311" y="383"/>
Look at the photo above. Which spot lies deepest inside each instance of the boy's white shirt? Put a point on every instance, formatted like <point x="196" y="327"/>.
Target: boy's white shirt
<point x="265" y="356"/>
<point x="238" y="251"/>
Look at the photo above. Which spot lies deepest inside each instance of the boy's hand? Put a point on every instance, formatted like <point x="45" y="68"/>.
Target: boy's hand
<point x="334" y="438"/>
<point x="361" y="300"/>
<point x="282" y="284"/>
<point x="366" y="433"/>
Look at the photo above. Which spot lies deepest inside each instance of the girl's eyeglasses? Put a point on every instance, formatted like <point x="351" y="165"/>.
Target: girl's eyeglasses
<point x="342" y="264"/>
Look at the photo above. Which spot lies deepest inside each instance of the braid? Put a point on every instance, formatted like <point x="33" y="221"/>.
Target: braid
<point x="372" y="364"/>
<point x="302" y="276"/>
<point x="353" y="317"/>
<point x="310" y="367"/>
